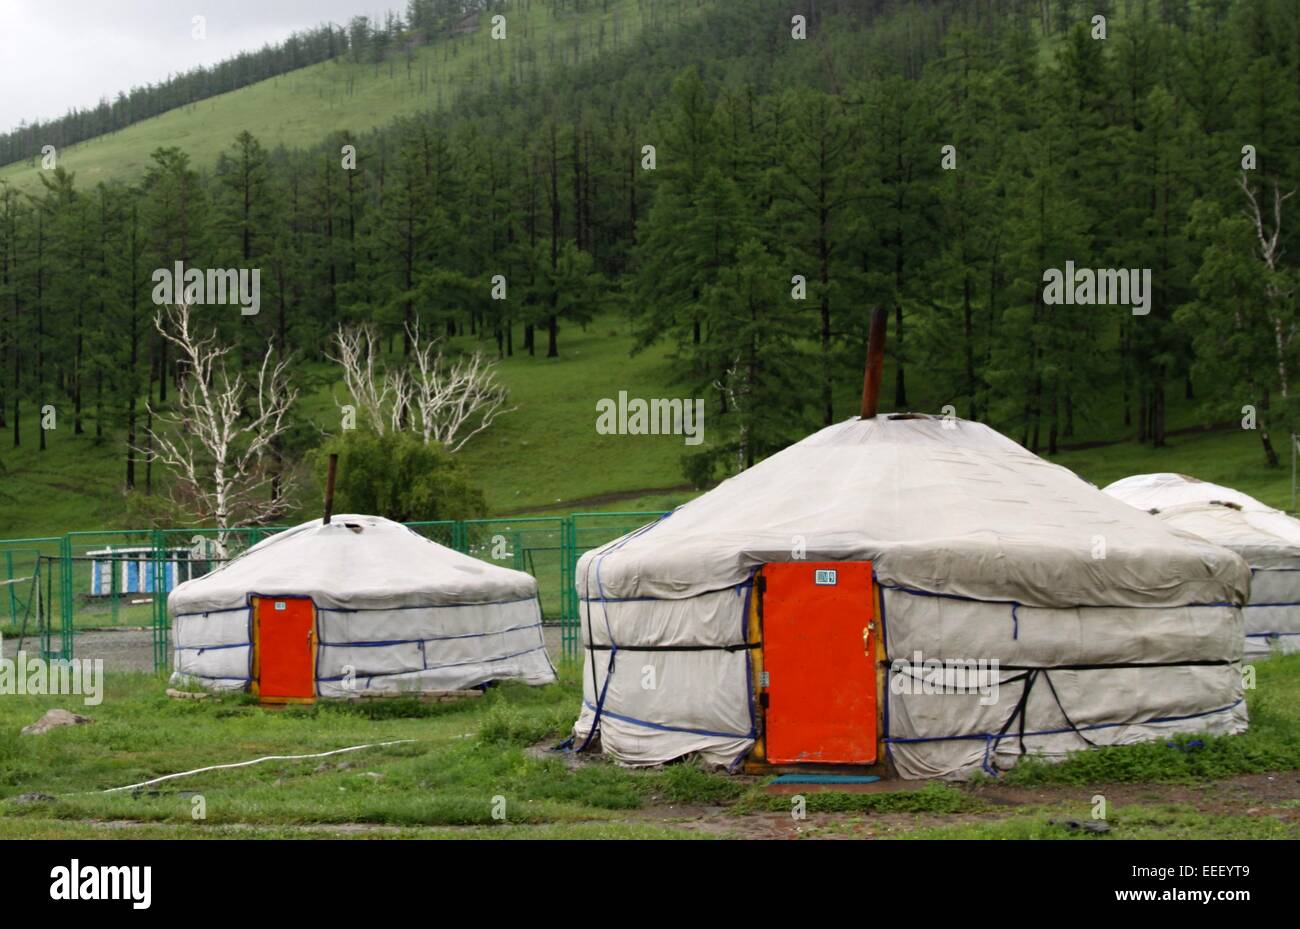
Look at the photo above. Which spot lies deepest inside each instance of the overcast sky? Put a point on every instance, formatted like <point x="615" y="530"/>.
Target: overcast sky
<point x="58" y="54"/>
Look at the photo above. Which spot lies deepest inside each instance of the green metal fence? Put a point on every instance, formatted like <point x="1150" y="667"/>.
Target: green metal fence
<point x="86" y="583"/>
<point x="29" y="596"/>
<point x="585" y="532"/>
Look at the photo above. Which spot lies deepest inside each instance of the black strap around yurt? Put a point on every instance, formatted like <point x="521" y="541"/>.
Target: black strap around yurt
<point x="1019" y="713"/>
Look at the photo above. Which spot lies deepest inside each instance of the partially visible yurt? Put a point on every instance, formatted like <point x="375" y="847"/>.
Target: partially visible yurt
<point x="1267" y="538"/>
<point x="843" y="603"/>
<point x="356" y="605"/>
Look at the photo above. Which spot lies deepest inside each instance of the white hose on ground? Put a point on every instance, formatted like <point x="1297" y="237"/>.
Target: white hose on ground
<point x="244" y="764"/>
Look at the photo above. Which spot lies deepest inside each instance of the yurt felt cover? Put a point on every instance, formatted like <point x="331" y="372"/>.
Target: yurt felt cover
<point x="1267" y="538"/>
<point x="396" y="612"/>
<point x="983" y="551"/>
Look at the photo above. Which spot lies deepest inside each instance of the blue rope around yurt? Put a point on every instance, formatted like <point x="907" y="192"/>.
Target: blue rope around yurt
<point x="613" y="646"/>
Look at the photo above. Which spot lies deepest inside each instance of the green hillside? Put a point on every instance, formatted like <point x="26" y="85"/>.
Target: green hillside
<point x="546" y="456"/>
<point x="300" y="109"/>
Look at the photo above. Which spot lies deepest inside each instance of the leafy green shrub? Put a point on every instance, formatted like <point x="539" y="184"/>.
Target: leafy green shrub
<point x="398" y="477"/>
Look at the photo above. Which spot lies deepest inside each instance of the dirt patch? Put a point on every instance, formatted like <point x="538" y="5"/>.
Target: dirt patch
<point x="121" y="649"/>
<point x="1276" y="795"/>
<point x="719" y="823"/>
<point x="1243" y="795"/>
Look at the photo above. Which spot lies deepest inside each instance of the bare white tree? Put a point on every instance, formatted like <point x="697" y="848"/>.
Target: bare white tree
<point x="454" y="401"/>
<point x="358" y="356"/>
<point x="445" y="401"/>
<point x="734" y="400"/>
<point x="1280" y="311"/>
<point x="218" y="441"/>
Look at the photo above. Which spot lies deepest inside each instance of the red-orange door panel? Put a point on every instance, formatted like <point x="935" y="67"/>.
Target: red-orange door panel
<point x="819" y="655"/>
<point x="286" y="647"/>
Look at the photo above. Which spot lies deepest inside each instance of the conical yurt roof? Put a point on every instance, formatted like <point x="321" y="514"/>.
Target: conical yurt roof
<point x="937" y="504"/>
<point x="353" y="562"/>
<point x="1165" y="491"/>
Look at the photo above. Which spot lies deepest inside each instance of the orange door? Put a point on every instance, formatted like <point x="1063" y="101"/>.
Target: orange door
<point x="820" y="663"/>
<point x="286" y="649"/>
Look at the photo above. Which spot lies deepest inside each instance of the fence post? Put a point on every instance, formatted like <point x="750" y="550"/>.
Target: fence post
<point x="65" y="606"/>
<point x="569" y="599"/>
<point x="159" y="601"/>
<point x="11" y="587"/>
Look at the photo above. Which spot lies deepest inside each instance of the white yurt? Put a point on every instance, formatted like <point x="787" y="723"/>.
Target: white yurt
<point x="1267" y="538"/>
<point x="844" y="603"/>
<point x="356" y="605"/>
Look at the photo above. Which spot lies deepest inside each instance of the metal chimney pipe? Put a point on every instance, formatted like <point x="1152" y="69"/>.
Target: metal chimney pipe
<point x="329" y="489"/>
<point x="875" y="364"/>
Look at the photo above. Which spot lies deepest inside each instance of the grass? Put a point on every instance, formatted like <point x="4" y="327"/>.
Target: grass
<point x="1232" y="458"/>
<point x="933" y="798"/>
<point x="56" y="829"/>
<point x="469" y="765"/>
<point x="299" y="109"/>
<point x="478" y="768"/>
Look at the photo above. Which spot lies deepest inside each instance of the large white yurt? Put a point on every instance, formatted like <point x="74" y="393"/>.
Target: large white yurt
<point x="842" y="603"/>
<point x="1267" y="538"/>
<point x="356" y="605"/>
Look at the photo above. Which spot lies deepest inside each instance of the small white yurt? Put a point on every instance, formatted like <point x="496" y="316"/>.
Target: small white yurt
<point x="356" y="605"/>
<point x="1267" y="538"/>
<point x="905" y="589"/>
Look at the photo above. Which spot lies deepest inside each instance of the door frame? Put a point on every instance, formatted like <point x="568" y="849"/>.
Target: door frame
<point x="255" y="683"/>
<point x="756" y="762"/>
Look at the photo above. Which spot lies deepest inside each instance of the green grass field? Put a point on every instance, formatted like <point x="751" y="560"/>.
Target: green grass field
<point x="479" y="768"/>
<point x="301" y="108"/>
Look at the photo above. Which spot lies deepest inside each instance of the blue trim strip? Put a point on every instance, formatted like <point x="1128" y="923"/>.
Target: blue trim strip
<point x="331" y="609"/>
<point x="884" y="637"/>
<point x="1014" y="604"/>
<point x="436" y="638"/>
<point x="739" y="586"/>
<point x="1268" y="635"/>
<point x="439" y="667"/>
<point x="233" y="609"/>
<point x="432" y="606"/>
<point x="917" y="592"/>
<point x="212" y="648"/>
<point x="212" y="677"/>
<point x="1253" y="606"/>
<point x="749" y="665"/>
<point x="663" y="728"/>
<point x="993" y="737"/>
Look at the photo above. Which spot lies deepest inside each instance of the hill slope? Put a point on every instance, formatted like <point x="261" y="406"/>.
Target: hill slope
<point x="303" y="107"/>
<point x="546" y="455"/>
